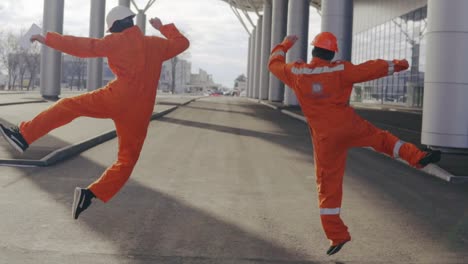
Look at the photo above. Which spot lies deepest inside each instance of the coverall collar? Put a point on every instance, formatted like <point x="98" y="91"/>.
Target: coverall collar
<point x="132" y="29"/>
<point x="317" y="60"/>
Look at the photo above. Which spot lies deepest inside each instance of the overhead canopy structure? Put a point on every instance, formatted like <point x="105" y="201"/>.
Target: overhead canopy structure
<point x="255" y="5"/>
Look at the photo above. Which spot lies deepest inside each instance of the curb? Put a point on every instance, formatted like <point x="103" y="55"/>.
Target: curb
<point x="294" y="115"/>
<point x="430" y="169"/>
<point x="387" y="108"/>
<point x="27" y="102"/>
<point x="72" y="150"/>
<point x="269" y="105"/>
<point x="254" y="100"/>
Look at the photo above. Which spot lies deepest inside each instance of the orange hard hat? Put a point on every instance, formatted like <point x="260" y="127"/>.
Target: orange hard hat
<point x="325" y="40"/>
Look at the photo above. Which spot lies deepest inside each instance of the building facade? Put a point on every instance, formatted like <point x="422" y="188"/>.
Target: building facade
<point x="431" y="34"/>
<point x="183" y="70"/>
<point x="202" y="82"/>
<point x="391" y="30"/>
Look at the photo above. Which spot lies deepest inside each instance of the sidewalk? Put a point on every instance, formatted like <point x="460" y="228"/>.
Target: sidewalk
<point x="405" y="124"/>
<point x="71" y="139"/>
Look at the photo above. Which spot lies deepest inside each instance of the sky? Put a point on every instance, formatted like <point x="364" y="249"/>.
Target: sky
<point x="219" y="42"/>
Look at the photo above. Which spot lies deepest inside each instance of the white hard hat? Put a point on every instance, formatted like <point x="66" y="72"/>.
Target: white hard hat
<point x="117" y="13"/>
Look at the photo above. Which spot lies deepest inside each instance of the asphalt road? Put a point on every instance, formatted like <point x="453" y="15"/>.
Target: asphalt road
<point x="225" y="180"/>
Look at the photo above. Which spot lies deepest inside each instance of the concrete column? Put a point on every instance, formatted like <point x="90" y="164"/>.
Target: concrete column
<point x="96" y="30"/>
<point x="141" y="21"/>
<point x="278" y="32"/>
<point x="446" y="80"/>
<point x="258" y="57"/>
<point x="124" y="3"/>
<point x="337" y="17"/>
<point x="51" y="60"/>
<point x="252" y="63"/>
<point x="249" y="55"/>
<point x="298" y="24"/>
<point x="265" y="52"/>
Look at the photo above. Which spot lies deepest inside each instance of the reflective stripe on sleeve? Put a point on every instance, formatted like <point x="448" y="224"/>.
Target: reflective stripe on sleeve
<point x="396" y="149"/>
<point x="317" y="70"/>
<point x="391" y="67"/>
<point x="277" y="53"/>
<point x="329" y="211"/>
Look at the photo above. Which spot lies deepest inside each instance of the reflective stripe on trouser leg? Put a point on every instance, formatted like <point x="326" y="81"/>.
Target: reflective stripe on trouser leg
<point x="335" y="230"/>
<point x="366" y="134"/>
<point x="396" y="149"/>
<point x="329" y="211"/>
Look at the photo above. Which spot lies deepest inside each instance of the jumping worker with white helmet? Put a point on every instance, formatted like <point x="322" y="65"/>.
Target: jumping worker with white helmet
<point x="128" y="100"/>
<point x="323" y="88"/>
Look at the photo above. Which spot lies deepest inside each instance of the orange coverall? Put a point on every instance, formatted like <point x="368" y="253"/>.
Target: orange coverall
<point x="323" y="89"/>
<point x="128" y="100"/>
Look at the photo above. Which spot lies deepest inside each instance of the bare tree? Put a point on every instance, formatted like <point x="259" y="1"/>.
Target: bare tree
<point x="78" y="67"/>
<point x="2" y="52"/>
<point x="10" y="58"/>
<point x="22" y="67"/>
<point x="13" y="59"/>
<point x="33" y="62"/>
<point x="19" y="64"/>
<point x="13" y="63"/>
<point x="73" y="70"/>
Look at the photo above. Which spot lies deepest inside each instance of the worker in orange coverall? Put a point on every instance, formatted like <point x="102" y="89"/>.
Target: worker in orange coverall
<point x="323" y="88"/>
<point x="128" y="100"/>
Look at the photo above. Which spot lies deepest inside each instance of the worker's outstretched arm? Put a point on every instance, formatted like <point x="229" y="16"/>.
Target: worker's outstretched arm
<point x="77" y="46"/>
<point x="277" y="63"/>
<point x="175" y="43"/>
<point x="373" y="69"/>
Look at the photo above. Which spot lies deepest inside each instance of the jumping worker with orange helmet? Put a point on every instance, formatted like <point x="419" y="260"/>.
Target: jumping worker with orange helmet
<point x="128" y="100"/>
<point x="323" y="88"/>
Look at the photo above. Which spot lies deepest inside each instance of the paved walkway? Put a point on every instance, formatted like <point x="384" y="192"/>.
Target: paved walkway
<point x="83" y="133"/>
<point x="226" y="181"/>
<point x="404" y="123"/>
<point x="65" y="141"/>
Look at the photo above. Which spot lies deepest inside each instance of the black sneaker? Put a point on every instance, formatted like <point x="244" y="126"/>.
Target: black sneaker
<point x="14" y="137"/>
<point x="81" y="201"/>
<point x="334" y="249"/>
<point x="432" y="156"/>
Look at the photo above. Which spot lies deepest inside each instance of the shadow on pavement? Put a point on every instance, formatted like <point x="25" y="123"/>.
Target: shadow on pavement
<point x="291" y="134"/>
<point x="230" y="111"/>
<point x="152" y="226"/>
<point x="302" y="145"/>
<point x="429" y="204"/>
<point x="38" y="150"/>
<point x="148" y="226"/>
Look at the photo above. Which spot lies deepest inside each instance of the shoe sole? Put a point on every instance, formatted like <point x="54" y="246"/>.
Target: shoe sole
<point x="11" y="142"/>
<point x="76" y="202"/>
<point x="336" y="249"/>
